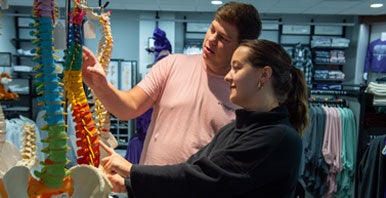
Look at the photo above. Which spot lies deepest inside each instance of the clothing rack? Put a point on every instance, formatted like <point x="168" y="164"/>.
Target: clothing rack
<point x="335" y="92"/>
<point x="333" y="102"/>
<point x="365" y="101"/>
<point x="335" y="96"/>
<point x="324" y="127"/>
<point x="352" y="90"/>
<point x="367" y="133"/>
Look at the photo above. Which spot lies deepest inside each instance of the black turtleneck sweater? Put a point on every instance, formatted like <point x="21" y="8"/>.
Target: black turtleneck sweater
<point x="257" y="155"/>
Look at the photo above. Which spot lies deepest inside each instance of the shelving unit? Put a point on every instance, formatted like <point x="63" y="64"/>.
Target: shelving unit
<point x="24" y="105"/>
<point x="326" y="69"/>
<point x="23" y="41"/>
<point x="122" y="130"/>
<point x="290" y="35"/>
<point x="328" y="46"/>
<point x="194" y="34"/>
<point x="23" y="79"/>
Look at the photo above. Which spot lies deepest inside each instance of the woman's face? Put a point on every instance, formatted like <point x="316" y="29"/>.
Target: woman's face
<point x="243" y="79"/>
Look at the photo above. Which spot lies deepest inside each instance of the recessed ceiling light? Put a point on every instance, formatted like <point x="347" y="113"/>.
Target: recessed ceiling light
<point x="216" y="2"/>
<point x="376" y="5"/>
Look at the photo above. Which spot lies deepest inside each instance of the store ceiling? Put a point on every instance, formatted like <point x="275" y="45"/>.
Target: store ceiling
<point x="331" y="7"/>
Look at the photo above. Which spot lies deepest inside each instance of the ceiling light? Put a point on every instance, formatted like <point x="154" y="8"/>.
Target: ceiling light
<point x="376" y="5"/>
<point x="216" y="2"/>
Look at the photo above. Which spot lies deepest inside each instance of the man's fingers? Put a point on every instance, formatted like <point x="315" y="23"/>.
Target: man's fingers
<point x="87" y="55"/>
<point x="86" y="51"/>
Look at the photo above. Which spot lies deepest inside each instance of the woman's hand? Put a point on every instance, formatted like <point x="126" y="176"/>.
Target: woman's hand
<point x="117" y="181"/>
<point x="92" y="72"/>
<point x="115" y="163"/>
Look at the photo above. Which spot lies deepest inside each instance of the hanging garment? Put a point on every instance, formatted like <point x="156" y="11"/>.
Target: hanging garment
<point x="346" y="177"/>
<point x="319" y="178"/>
<point x="134" y="148"/>
<point x="332" y="144"/>
<point x="301" y="58"/>
<point x="371" y="170"/>
<point x="376" y="57"/>
<point x="315" y="171"/>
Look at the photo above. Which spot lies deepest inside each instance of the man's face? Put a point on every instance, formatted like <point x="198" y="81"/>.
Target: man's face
<point x="220" y="42"/>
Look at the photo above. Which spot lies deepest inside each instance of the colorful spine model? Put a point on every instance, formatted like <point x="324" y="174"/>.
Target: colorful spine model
<point x="53" y="176"/>
<point x="88" y="152"/>
<point x="54" y="180"/>
<point x="50" y="91"/>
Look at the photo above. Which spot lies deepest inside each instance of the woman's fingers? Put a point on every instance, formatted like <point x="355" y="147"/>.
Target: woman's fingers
<point x="109" y="150"/>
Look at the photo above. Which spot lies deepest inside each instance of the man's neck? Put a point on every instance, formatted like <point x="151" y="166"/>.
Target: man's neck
<point x="218" y="70"/>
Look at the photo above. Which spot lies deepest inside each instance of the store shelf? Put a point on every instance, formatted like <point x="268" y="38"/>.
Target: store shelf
<point x="122" y="130"/>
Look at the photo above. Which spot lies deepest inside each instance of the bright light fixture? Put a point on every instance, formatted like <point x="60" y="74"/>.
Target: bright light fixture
<point x="216" y="2"/>
<point x="376" y="5"/>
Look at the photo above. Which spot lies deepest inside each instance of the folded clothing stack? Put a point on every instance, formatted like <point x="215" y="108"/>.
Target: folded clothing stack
<point x="379" y="91"/>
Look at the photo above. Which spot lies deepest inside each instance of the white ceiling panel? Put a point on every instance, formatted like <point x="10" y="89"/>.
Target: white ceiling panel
<point x="336" y="7"/>
<point x="364" y="8"/>
<point x="330" y="7"/>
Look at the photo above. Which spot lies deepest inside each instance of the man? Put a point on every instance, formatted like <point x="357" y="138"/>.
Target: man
<point x="188" y="92"/>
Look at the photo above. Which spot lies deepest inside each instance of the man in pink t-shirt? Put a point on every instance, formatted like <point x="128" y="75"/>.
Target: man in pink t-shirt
<point x="188" y="93"/>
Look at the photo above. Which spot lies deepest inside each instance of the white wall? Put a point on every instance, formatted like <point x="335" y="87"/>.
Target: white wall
<point x="5" y="43"/>
<point x="7" y="32"/>
<point x="376" y="30"/>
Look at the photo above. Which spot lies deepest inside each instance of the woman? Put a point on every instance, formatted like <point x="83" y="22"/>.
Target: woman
<point x="257" y="155"/>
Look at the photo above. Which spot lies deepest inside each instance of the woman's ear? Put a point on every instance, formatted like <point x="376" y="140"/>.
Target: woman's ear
<point x="266" y="73"/>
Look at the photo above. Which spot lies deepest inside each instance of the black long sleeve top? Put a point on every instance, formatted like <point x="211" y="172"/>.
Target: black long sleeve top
<point x="257" y="155"/>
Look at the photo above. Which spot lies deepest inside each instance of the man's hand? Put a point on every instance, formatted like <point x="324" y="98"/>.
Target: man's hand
<point x="92" y="72"/>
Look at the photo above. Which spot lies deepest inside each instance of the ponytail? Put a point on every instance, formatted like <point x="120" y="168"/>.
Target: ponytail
<point x="297" y="100"/>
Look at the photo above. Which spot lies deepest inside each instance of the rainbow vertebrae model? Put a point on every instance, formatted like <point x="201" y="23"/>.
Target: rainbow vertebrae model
<point x="53" y="176"/>
<point x="83" y="180"/>
<point x="88" y="152"/>
<point x="50" y="92"/>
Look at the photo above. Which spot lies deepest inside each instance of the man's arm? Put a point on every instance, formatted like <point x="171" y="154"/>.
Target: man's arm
<point x="123" y="104"/>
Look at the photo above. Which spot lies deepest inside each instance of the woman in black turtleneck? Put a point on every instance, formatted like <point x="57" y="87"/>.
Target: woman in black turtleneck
<point x="257" y="155"/>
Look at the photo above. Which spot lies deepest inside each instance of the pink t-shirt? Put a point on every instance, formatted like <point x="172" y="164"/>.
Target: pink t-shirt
<point x="192" y="104"/>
